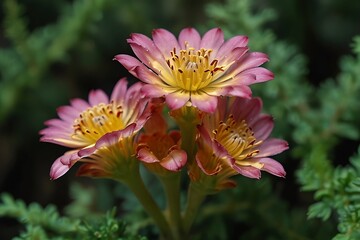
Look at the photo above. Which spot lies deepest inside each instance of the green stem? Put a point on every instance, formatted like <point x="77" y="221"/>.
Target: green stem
<point x="187" y="124"/>
<point x="172" y="191"/>
<point x="195" y="199"/>
<point x="137" y="186"/>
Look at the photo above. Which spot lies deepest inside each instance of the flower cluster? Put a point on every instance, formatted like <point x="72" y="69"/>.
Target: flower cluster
<point x="203" y="83"/>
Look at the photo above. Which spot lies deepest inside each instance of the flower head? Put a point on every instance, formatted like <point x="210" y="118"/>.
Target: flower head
<point x="157" y="148"/>
<point x="194" y="70"/>
<point x="91" y="127"/>
<point x="235" y="140"/>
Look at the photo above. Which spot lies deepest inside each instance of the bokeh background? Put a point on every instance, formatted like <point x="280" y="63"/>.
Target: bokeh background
<point x="52" y="51"/>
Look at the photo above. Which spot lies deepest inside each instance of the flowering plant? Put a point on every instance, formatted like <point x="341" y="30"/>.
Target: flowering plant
<point x="203" y="84"/>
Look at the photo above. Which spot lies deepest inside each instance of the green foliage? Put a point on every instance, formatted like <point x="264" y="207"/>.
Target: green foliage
<point x="46" y="223"/>
<point x="318" y="122"/>
<point x="26" y="63"/>
<point x="337" y="191"/>
<point x="315" y="120"/>
<point x="37" y="219"/>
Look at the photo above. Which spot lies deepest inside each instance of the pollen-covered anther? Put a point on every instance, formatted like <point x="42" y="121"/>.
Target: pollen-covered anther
<point x="237" y="138"/>
<point x="192" y="68"/>
<point x="97" y="121"/>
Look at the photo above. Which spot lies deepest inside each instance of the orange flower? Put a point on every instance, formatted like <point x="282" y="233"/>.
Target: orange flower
<point x="158" y="150"/>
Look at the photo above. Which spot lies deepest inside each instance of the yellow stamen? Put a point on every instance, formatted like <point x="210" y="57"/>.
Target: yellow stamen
<point x="238" y="139"/>
<point x="96" y="121"/>
<point x="192" y="69"/>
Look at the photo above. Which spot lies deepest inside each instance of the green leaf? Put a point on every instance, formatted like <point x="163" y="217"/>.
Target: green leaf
<point x="320" y="209"/>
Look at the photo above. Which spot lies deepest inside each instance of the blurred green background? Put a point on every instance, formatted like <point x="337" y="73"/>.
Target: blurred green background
<point x="52" y="51"/>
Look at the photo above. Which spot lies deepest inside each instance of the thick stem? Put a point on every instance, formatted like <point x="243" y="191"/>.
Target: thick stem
<point x="172" y="191"/>
<point x="195" y="199"/>
<point x="137" y="186"/>
<point x="187" y="121"/>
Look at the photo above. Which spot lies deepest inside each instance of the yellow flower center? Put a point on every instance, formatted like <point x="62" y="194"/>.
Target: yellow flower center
<point x="238" y="139"/>
<point x="192" y="69"/>
<point x="96" y="121"/>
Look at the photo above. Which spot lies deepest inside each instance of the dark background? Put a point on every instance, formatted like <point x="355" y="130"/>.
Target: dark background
<point x="322" y="30"/>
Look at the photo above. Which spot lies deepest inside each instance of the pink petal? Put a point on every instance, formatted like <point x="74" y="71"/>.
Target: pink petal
<point x="246" y="109"/>
<point x="85" y="152"/>
<point x="62" y="140"/>
<point x="69" y="157"/>
<point x="67" y="113"/>
<point x="145" y="155"/>
<point x="147" y="45"/>
<point x="129" y="62"/>
<point x="272" y="147"/>
<point x="58" y="169"/>
<point x="250" y="60"/>
<point x="79" y="104"/>
<point x="175" y="160"/>
<point x="232" y="56"/>
<point x="191" y="36"/>
<point x="109" y="139"/>
<point x="248" y="171"/>
<point x="141" y="120"/>
<point x="153" y="91"/>
<point x="113" y="137"/>
<point x="239" y="91"/>
<point x="215" y="146"/>
<point x="212" y="39"/>
<point x="204" y="135"/>
<point x="262" y="127"/>
<point x="146" y="75"/>
<point x="165" y="41"/>
<point x="58" y="124"/>
<point x="97" y="96"/>
<point x="119" y="92"/>
<point x="63" y="164"/>
<point x="254" y="75"/>
<point x="221" y="151"/>
<point x="229" y="45"/>
<point x="176" y="100"/>
<point x="148" y="59"/>
<point x="134" y="98"/>
<point x="204" y="102"/>
<point x="273" y="167"/>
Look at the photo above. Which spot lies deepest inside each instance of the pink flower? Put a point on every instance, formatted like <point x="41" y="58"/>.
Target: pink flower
<point x="235" y="140"/>
<point x="193" y="70"/>
<point x="92" y="127"/>
<point x="157" y="149"/>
